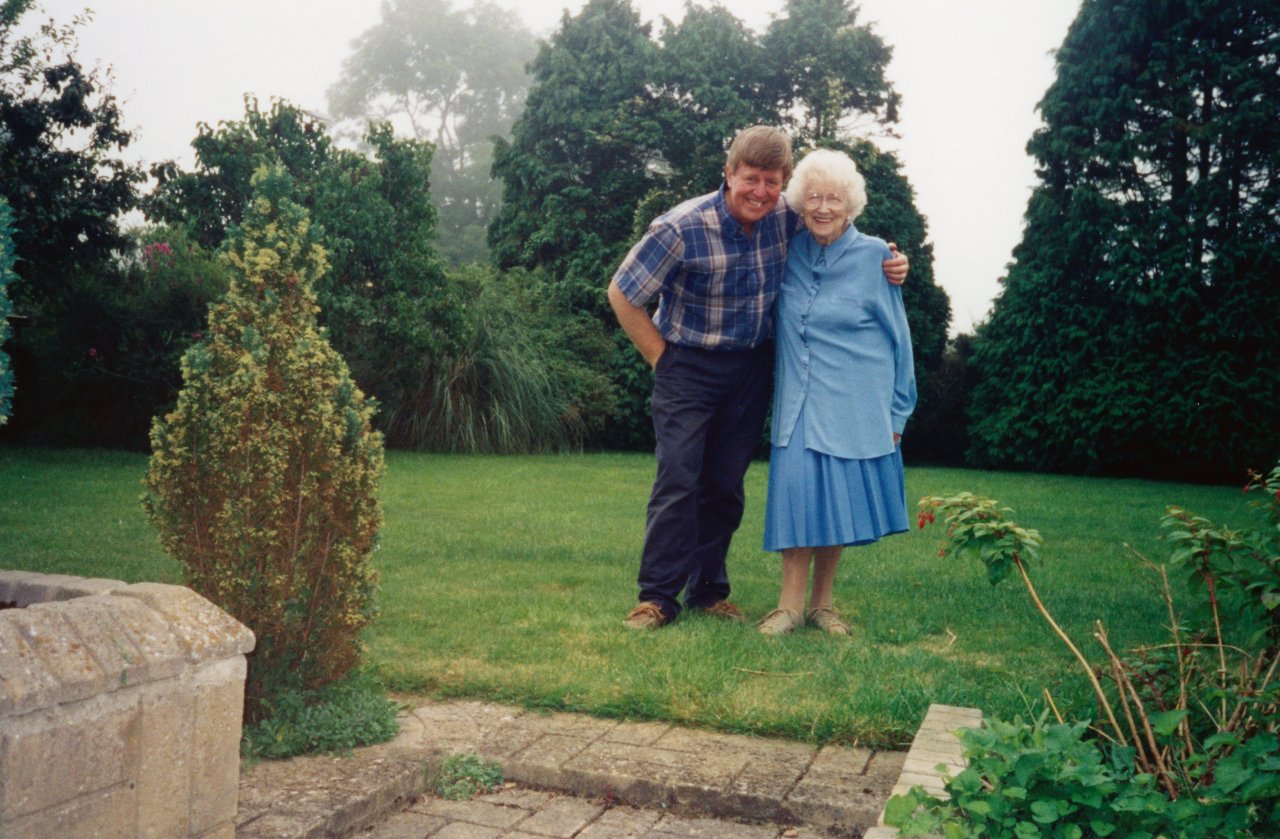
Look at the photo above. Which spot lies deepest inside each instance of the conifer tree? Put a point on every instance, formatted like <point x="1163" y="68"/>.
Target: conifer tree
<point x="263" y="480"/>
<point x="575" y="166"/>
<point x="1136" y="330"/>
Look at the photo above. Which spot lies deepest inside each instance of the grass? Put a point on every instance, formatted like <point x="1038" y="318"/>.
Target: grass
<point x="507" y="578"/>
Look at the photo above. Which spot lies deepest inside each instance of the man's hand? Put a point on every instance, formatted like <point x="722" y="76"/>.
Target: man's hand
<point x="895" y="269"/>
<point x="638" y="326"/>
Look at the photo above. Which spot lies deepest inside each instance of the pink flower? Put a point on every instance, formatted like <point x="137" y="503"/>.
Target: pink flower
<point x="93" y="352"/>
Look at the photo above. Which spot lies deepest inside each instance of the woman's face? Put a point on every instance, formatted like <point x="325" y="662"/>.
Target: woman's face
<point x="826" y="213"/>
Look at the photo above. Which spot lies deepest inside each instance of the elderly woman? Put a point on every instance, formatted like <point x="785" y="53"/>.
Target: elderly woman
<point x="845" y="385"/>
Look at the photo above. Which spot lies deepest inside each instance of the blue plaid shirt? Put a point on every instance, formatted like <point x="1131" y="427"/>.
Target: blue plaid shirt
<point x="714" y="283"/>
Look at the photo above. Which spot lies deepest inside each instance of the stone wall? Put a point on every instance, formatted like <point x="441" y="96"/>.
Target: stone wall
<point x="120" y="710"/>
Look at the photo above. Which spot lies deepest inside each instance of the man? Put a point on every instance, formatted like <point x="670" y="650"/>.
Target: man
<point x="714" y="263"/>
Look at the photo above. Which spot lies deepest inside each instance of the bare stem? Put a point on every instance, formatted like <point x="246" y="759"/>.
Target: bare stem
<point x="1088" y="670"/>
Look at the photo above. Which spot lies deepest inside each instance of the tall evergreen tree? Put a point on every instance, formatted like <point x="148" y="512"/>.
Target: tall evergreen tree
<point x="579" y="158"/>
<point x="1135" y="332"/>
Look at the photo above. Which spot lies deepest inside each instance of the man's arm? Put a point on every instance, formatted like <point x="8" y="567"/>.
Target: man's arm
<point x="895" y="270"/>
<point x="639" y="327"/>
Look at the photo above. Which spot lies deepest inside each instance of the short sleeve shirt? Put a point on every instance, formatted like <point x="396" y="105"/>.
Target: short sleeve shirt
<point x="715" y="284"/>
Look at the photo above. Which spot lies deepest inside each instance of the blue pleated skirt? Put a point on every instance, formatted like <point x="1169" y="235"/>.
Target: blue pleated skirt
<point x="816" y="499"/>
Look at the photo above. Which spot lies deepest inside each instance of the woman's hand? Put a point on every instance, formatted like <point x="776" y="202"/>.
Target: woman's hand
<point x="897" y="438"/>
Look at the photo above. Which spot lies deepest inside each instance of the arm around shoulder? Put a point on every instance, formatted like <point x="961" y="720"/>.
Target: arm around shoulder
<point x="896" y="267"/>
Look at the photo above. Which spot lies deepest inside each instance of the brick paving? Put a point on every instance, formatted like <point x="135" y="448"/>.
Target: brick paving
<point x="575" y="776"/>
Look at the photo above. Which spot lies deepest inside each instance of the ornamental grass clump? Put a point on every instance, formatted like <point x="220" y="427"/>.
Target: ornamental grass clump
<point x="1186" y="741"/>
<point x="263" y="479"/>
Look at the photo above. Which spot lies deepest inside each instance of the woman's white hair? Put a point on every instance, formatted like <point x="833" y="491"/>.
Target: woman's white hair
<point x="830" y="167"/>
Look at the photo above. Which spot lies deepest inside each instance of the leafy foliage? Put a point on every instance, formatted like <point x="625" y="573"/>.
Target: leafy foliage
<point x="1135" y="331"/>
<point x="454" y="78"/>
<point x="383" y="296"/>
<point x="1193" y="749"/>
<point x="618" y="128"/>
<point x="138" y="315"/>
<point x="6" y="307"/>
<point x="463" y="777"/>
<point x="333" y="719"/>
<point x="263" y="480"/>
<point x="577" y="161"/>
<point x="825" y="71"/>
<point x="63" y="177"/>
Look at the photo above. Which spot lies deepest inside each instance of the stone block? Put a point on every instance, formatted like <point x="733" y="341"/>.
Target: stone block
<point x="622" y="823"/>
<point x="107" y="814"/>
<point x="95" y="627"/>
<point x="472" y="812"/>
<point x="638" y="733"/>
<point x="562" y="817"/>
<point x="164" y="771"/>
<point x="60" y="651"/>
<point x="50" y="759"/>
<point x="154" y="650"/>
<point x="215" y="742"/>
<point x="25" y="684"/>
<point x="204" y="631"/>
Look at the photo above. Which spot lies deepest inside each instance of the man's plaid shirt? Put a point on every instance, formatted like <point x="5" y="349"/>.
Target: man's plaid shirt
<point x="715" y="285"/>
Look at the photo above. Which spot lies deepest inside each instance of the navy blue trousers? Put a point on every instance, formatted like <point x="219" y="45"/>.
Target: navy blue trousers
<point x="708" y="415"/>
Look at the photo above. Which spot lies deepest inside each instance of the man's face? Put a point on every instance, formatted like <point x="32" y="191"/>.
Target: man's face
<point x="751" y="193"/>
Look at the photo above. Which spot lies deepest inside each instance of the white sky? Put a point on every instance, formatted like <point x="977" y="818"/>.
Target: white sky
<point x="970" y="73"/>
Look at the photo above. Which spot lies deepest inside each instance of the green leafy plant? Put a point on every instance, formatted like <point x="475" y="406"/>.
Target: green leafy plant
<point x="335" y="718"/>
<point x="1187" y="743"/>
<point x="263" y="480"/>
<point x="462" y="777"/>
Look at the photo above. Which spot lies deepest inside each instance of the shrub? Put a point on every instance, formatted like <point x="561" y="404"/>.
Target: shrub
<point x="263" y="480"/>
<point x="1188" y="738"/>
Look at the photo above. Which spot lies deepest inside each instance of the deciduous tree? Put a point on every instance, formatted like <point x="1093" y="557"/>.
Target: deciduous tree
<point x="64" y="177"/>
<point x="455" y="78"/>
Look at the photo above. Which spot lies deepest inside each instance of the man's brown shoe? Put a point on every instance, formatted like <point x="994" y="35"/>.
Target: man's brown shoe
<point x="646" y="616"/>
<point x="725" y="610"/>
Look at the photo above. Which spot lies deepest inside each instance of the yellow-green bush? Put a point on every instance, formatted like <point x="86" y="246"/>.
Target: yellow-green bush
<point x="263" y="480"/>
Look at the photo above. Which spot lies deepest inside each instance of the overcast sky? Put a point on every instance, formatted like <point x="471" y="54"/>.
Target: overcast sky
<point x="970" y="74"/>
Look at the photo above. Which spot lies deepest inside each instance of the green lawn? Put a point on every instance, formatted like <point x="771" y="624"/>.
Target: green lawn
<point x="507" y="578"/>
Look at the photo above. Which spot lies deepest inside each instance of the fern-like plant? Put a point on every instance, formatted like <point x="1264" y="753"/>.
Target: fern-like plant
<point x="263" y="480"/>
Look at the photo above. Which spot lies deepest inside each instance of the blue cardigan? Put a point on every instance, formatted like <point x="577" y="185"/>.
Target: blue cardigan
<point x="843" y="349"/>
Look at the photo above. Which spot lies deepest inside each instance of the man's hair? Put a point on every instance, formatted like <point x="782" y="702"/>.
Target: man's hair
<point x="763" y="147"/>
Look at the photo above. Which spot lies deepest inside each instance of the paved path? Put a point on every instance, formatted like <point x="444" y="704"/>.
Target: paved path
<point x="574" y="776"/>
